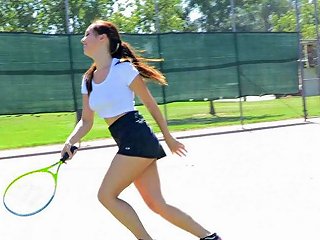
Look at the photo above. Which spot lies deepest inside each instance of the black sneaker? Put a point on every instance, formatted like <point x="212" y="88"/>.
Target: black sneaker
<point x="212" y="237"/>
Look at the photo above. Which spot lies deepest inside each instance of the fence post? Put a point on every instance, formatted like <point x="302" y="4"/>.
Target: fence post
<point x="235" y="39"/>
<point x="301" y="64"/>
<point x="75" y="104"/>
<point x="316" y="12"/>
<point x="157" y="25"/>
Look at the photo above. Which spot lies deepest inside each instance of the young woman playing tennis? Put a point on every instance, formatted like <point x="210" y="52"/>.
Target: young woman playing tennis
<point x="108" y="88"/>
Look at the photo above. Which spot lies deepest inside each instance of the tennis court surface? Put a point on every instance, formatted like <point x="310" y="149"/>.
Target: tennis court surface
<point x="257" y="183"/>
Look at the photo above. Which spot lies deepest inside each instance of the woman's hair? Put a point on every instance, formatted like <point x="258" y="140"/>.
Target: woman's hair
<point x="124" y="52"/>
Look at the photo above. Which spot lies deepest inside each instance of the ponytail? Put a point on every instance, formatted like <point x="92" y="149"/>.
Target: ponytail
<point x="126" y="53"/>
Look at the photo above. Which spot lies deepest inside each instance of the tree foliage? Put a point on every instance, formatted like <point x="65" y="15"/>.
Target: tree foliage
<point x="287" y="21"/>
<point x="45" y="16"/>
<point x="140" y="16"/>
<point x="250" y="15"/>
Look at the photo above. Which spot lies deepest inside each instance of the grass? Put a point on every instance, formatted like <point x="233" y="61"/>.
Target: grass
<point x="27" y="130"/>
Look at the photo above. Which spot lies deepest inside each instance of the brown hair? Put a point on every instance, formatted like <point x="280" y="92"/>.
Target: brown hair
<point x="124" y="52"/>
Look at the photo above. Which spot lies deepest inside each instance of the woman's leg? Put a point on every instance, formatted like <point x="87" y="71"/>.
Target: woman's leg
<point x="121" y="173"/>
<point x="148" y="184"/>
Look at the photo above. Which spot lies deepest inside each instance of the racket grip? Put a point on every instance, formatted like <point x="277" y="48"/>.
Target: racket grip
<point x="66" y="155"/>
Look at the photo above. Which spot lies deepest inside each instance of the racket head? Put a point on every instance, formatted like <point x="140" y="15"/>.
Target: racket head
<point x="31" y="192"/>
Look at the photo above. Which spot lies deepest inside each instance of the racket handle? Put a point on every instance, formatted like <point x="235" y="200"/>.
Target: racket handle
<point x="66" y="155"/>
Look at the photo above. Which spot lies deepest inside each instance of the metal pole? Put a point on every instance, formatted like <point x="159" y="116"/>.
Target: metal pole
<point x="234" y="30"/>
<point x="66" y="7"/>
<point x="157" y="20"/>
<point x="301" y="64"/>
<point x="157" y="27"/>
<point x="316" y="17"/>
<point x="233" y="16"/>
<point x="75" y="104"/>
<point x="315" y="2"/>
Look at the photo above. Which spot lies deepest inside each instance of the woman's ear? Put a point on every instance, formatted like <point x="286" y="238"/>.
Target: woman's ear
<point x="103" y="37"/>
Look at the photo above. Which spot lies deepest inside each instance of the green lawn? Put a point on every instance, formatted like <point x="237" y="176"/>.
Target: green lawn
<point x="40" y="129"/>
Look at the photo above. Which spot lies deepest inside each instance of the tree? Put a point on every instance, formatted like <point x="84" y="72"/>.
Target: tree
<point x="170" y="15"/>
<point x="17" y="15"/>
<point x="256" y="15"/>
<point x="287" y="22"/>
<point x="45" y="16"/>
<point x="49" y="16"/>
<point x="251" y="15"/>
<point x="84" y="12"/>
<point x="215" y="15"/>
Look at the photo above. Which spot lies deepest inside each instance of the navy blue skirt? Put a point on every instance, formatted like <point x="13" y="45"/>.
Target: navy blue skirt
<point x="135" y="138"/>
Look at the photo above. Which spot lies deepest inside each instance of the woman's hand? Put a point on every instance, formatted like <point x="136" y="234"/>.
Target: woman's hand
<point x="67" y="149"/>
<point x="176" y="146"/>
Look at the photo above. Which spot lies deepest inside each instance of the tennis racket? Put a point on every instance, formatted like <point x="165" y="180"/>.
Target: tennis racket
<point x="33" y="191"/>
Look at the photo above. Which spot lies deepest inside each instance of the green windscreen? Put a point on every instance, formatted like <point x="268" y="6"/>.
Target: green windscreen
<point x="42" y="73"/>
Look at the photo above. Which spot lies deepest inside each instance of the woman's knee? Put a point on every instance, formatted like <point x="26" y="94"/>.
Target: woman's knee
<point x="106" y="198"/>
<point x="158" y="206"/>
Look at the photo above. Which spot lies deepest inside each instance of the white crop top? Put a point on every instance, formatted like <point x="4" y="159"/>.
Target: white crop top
<point x="113" y="96"/>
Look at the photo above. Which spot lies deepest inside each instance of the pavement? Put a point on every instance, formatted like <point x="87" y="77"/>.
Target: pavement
<point x="252" y="182"/>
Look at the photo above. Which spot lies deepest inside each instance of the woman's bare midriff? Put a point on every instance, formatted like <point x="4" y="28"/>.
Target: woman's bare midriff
<point x="111" y="120"/>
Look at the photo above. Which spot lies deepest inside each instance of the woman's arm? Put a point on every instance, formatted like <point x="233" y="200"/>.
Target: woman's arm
<point x="82" y="127"/>
<point x="141" y="90"/>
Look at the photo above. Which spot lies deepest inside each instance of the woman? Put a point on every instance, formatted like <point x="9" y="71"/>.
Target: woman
<point x="108" y="88"/>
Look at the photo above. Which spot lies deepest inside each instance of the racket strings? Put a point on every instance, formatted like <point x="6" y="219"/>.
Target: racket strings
<point x="33" y="191"/>
<point x="30" y="193"/>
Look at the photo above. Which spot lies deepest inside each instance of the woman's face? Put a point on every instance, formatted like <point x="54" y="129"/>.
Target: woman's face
<point x="93" y="42"/>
